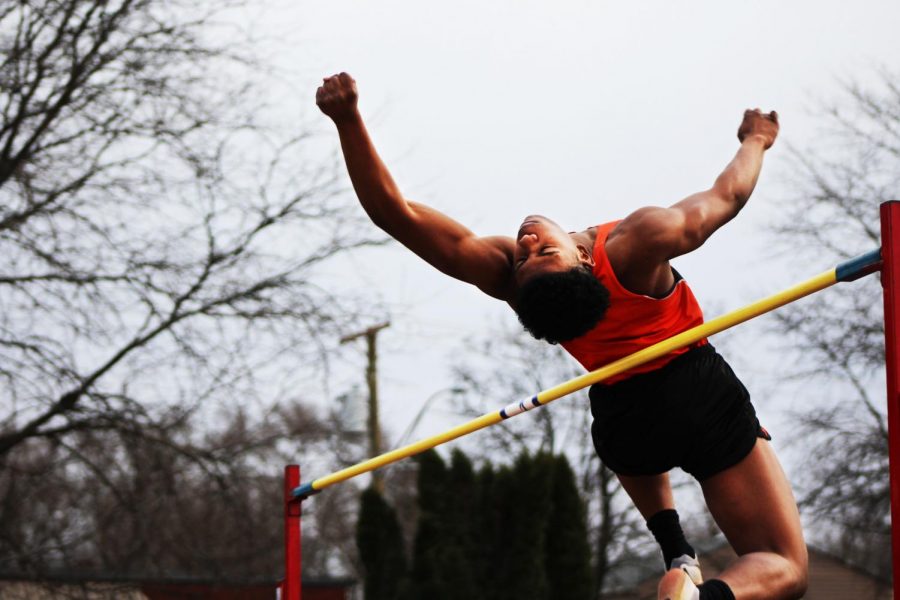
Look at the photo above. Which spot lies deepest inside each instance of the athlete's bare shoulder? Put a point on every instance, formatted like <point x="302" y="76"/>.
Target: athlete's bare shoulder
<point x="626" y="249"/>
<point x="489" y="265"/>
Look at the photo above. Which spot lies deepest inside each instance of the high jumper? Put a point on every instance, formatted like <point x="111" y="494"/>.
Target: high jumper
<point x="603" y="293"/>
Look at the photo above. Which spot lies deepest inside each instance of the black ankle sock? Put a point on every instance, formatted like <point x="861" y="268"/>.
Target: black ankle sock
<point x="715" y="589"/>
<point x="666" y="528"/>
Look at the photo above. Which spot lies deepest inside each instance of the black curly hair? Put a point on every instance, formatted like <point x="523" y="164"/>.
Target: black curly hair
<point x="562" y="306"/>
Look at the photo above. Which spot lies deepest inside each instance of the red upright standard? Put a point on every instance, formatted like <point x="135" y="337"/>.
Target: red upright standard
<point x="890" y="281"/>
<point x="290" y="589"/>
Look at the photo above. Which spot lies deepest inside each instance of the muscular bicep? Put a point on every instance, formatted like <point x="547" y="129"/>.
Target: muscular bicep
<point x="699" y="216"/>
<point x="664" y="233"/>
<point x="660" y="234"/>
<point x="453" y="249"/>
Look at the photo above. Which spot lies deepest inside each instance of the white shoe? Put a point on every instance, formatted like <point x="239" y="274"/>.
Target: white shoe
<point x="677" y="585"/>
<point x="689" y="565"/>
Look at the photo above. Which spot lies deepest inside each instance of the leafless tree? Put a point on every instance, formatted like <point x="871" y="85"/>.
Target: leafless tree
<point x="159" y="500"/>
<point x="161" y="235"/>
<point x="837" y="337"/>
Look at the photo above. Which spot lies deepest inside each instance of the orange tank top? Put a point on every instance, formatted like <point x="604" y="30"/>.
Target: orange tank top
<point x="633" y="321"/>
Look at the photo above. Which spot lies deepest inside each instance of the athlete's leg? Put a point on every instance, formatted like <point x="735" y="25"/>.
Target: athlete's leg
<point x="754" y="507"/>
<point x="650" y="493"/>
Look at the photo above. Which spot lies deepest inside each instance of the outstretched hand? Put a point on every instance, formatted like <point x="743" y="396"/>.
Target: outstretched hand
<point x="760" y="124"/>
<point x="337" y="97"/>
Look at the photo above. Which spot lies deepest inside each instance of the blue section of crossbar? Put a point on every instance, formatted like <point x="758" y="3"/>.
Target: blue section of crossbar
<point x="859" y="266"/>
<point x="304" y="491"/>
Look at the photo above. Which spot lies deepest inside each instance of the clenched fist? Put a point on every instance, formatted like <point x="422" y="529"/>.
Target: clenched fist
<point x="337" y="97"/>
<point x="757" y="123"/>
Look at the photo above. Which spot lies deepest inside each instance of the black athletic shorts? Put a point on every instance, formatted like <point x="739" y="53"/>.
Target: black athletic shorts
<point x="693" y="413"/>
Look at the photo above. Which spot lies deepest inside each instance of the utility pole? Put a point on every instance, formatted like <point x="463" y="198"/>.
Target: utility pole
<point x="371" y="335"/>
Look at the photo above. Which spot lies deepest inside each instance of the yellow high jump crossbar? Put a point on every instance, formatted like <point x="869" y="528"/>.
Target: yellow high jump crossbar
<point x="846" y="271"/>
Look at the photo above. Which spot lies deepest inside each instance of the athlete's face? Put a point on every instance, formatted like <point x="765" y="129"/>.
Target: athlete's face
<point x="542" y="246"/>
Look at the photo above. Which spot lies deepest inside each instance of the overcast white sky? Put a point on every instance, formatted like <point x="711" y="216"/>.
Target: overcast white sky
<point x="578" y="109"/>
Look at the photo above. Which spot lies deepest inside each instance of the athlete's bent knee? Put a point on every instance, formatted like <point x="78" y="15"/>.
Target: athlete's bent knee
<point x="798" y="573"/>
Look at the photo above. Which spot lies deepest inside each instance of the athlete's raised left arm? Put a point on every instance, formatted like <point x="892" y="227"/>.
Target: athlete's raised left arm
<point x="443" y="242"/>
<point x="658" y="234"/>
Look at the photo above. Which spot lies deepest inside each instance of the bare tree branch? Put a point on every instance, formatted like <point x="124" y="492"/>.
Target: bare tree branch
<point x="164" y="237"/>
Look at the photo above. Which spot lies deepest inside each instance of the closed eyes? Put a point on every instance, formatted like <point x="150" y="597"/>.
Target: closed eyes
<point x="544" y="251"/>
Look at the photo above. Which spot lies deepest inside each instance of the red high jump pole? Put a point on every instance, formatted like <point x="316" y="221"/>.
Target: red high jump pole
<point x="890" y="282"/>
<point x="291" y="588"/>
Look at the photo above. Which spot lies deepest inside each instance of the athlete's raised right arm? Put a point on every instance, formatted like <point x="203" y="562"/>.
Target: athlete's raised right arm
<point x="443" y="242"/>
